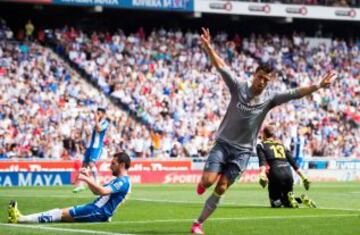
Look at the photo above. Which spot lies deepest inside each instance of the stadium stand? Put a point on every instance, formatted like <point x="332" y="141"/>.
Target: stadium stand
<point x="164" y="79"/>
<point x="33" y="121"/>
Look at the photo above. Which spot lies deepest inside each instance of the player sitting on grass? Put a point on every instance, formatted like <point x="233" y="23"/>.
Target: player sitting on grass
<point x="111" y="195"/>
<point x="270" y="151"/>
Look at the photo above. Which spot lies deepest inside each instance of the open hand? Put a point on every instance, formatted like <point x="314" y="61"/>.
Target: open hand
<point x="85" y="171"/>
<point x="327" y="79"/>
<point x="96" y="116"/>
<point x="306" y="183"/>
<point x="263" y="180"/>
<point x="205" y="37"/>
<point x="82" y="177"/>
<point x="83" y="174"/>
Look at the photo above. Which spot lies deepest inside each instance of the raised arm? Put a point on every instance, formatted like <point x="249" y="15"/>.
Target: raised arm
<point x="217" y="61"/>
<point x="99" y="125"/>
<point x="281" y="98"/>
<point x="206" y="43"/>
<point x="326" y="81"/>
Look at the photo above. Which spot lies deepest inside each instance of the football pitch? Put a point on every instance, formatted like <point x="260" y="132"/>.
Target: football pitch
<point x="170" y="209"/>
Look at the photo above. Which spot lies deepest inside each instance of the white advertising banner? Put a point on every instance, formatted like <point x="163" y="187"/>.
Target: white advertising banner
<point x="333" y="175"/>
<point x="277" y="10"/>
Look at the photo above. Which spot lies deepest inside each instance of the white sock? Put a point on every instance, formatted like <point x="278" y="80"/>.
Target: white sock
<point x="94" y="172"/>
<point x="42" y="217"/>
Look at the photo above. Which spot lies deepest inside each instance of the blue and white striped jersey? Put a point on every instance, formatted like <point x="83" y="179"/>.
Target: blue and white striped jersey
<point x="97" y="138"/>
<point x="120" y="187"/>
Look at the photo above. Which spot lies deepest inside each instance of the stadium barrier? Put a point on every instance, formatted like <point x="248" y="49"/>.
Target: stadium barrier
<point x="277" y="10"/>
<point x="49" y="178"/>
<point x="53" y="173"/>
<point x="218" y="7"/>
<point x="158" y="5"/>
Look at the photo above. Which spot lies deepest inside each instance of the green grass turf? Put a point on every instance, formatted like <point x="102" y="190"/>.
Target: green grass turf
<point x="170" y="209"/>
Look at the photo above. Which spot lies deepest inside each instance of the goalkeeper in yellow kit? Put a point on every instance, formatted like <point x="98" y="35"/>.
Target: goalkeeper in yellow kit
<point x="271" y="152"/>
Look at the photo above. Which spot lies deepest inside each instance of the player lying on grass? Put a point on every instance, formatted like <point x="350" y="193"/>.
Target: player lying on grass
<point x="271" y="152"/>
<point x="237" y="134"/>
<point x="110" y="196"/>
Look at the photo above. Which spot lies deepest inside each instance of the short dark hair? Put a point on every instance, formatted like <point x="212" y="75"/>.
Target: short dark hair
<point x="122" y="157"/>
<point x="265" y="67"/>
<point x="100" y="109"/>
<point x="269" y="131"/>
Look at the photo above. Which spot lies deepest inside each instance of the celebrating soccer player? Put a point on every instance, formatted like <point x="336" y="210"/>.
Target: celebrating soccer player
<point x="237" y="134"/>
<point x="110" y="196"/>
<point x="271" y="152"/>
<point x="96" y="143"/>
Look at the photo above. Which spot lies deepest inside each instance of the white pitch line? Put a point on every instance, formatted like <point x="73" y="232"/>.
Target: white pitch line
<point x="130" y="199"/>
<point x="78" y="231"/>
<point x="339" y="209"/>
<point x="188" y="202"/>
<point x="230" y="203"/>
<point x="223" y="219"/>
<point x="46" y="196"/>
<point x="168" y="201"/>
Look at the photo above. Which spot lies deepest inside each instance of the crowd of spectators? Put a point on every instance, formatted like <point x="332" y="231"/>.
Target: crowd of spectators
<point x="47" y="110"/>
<point x="165" y="78"/>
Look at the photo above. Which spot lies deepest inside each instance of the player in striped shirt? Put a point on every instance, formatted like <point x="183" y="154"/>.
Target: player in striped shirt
<point x="95" y="145"/>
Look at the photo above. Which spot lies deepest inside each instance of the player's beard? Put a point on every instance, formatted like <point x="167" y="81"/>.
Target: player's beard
<point x="114" y="173"/>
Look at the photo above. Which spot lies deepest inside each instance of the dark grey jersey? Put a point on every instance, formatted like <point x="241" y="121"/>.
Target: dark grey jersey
<point x="246" y="112"/>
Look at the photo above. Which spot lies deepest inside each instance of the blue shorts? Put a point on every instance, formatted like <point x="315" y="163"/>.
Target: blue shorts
<point x="88" y="213"/>
<point x="92" y="155"/>
<point x="299" y="161"/>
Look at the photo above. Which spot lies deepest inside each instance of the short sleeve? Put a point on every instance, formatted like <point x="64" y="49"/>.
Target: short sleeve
<point x="104" y="125"/>
<point x="118" y="186"/>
